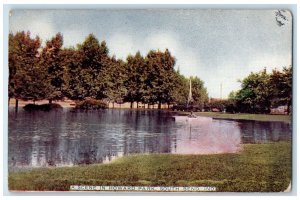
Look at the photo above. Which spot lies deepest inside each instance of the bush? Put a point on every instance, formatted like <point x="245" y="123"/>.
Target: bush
<point x="91" y="104"/>
<point x="43" y="107"/>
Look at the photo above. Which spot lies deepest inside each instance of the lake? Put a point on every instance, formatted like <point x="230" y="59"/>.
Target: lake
<point x="66" y="138"/>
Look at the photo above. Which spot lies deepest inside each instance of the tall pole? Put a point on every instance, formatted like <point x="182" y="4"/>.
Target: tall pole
<point x="221" y="91"/>
<point x="190" y="97"/>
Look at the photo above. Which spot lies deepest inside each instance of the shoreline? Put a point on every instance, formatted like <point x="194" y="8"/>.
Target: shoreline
<point x="215" y="115"/>
<point x="245" y="116"/>
<point x="247" y="171"/>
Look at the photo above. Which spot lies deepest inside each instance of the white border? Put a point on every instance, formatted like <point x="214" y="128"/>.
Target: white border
<point x="163" y="3"/>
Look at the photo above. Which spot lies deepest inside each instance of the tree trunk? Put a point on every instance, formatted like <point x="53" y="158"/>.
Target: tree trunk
<point x="168" y="106"/>
<point x="17" y="105"/>
<point x="131" y="104"/>
<point x="288" y="107"/>
<point x="50" y="101"/>
<point x="137" y="104"/>
<point x="159" y="105"/>
<point x="113" y="105"/>
<point x="148" y="106"/>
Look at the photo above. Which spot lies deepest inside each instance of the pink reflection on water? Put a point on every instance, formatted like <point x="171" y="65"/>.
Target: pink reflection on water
<point x="206" y="136"/>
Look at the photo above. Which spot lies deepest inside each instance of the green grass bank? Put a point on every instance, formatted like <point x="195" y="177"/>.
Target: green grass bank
<point x="245" y="116"/>
<point x="257" y="168"/>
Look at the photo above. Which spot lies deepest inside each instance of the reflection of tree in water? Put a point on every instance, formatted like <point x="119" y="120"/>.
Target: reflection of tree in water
<point x="87" y="155"/>
<point x="260" y="132"/>
<point x="206" y="136"/>
<point x="68" y="138"/>
<point x="150" y="132"/>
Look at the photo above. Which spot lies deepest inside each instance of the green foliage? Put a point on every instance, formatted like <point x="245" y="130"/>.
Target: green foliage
<point x="180" y="94"/>
<point x="71" y="62"/>
<point x="257" y="168"/>
<point x="115" y="88"/>
<point x="261" y="91"/>
<point x="52" y="72"/>
<point x="50" y="60"/>
<point x="160" y="75"/>
<point x="134" y="80"/>
<point x="254" y="97"/>
<point x="91" y="104"/>
<point x="281" y="87"/>
<point x="26" y="76"/>
<point x="93" y="60"/>
<point x="199" y="92"/>
<point x="42" y="107"/>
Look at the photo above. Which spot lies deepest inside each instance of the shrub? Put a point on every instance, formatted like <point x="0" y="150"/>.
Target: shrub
<point x="43" y="107"/>
<point x="91" y="104"/>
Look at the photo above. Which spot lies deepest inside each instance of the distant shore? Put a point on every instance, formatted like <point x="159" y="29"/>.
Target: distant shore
<point x="21" y="103"/>
<point x="246" y="116"/>
<point x="71" y="104"/>
<point x="216" y="115"/>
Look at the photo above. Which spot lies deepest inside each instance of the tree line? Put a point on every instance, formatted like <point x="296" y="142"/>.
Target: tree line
<point x="260" y="92"/>
<point x="52" y="72"/>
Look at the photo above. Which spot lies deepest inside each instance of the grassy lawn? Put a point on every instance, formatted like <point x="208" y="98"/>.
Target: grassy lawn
<point x="259" y="167"/>
<point x="258" y="117"/>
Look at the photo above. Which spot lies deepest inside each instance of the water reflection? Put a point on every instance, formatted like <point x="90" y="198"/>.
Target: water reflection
<point x="64" y="138"/>
<point x="202" y="136"/>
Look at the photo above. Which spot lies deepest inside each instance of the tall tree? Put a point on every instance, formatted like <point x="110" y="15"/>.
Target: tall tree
<point x="281" y="87"/>
<point x="71" y="63"/>
<point x="134" y="83"/>
<point x="51" y="60"/>
<point x="115" y="90"/>
<point x="94" y="58"/>
<point x="181" y="91"/>
<point x="255" y="96"/>
<point x="199" y="92"/>
<point x="160" y="76"/>
<point x="26" y="79"/>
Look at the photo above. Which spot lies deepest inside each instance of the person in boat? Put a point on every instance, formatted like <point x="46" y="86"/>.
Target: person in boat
<point x="192" y="115"/>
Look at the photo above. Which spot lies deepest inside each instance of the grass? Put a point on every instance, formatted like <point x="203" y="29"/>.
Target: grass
<point x="257" y="168"/>
<point x="257" y="117"/>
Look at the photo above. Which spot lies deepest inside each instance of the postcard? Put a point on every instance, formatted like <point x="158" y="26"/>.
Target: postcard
<point x="150" y="100"/>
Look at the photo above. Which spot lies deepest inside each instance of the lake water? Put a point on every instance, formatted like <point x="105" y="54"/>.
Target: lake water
<point x="65" y="138"/>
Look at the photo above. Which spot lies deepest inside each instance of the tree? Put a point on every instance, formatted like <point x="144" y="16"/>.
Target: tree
<point x="26" y="79"/>
<point x="134" y="83"/>
<point x="181" y="91"/>
<point x="94" y="58"/>
<point x="51" y="60"/>
<point x="281" y="87"/>
<point x="199" y="92"/>
<point x="89" y="72"/>
<point x="159" y="82"/>
<point x="115" y="90"/>
<point x="71" y="63"/>
<point x="254" y="96"/>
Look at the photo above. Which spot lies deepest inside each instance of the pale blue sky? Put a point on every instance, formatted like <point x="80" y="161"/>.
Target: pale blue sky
<point x="219" y="46"/>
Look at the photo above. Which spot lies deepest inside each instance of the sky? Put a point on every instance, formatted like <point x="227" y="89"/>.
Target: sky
<point x="219" y="46"/>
